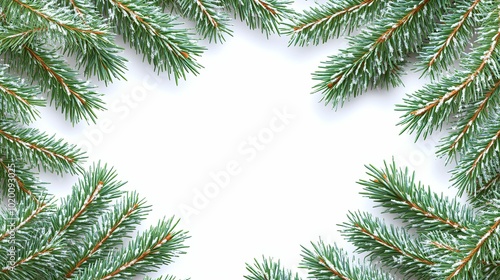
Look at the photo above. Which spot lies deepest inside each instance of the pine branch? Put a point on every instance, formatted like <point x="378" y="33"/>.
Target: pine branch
<point x="157" y="246"/>
<point x="397" y="192"/>
<point x="18" y="101"/>
<point x="265" y="15"/>
<point x="93" y="45"/>
<point x="267" y="269"/>
<point x="154" y="34"/>
<point x="87" y="202"/>
<point x="469" y="122"/>
<point x="479" y="248"/>
<point x="15" y="174"/>
<point x="211" y="22"/>
<point x="479" y="167"/>
<point x="374" y="56"/>
<point x="40" y="150"/>
<point x="428" y="109"/>
<point x="66" y="241"/>
<point x="393" y="246"/>
<point x="327" y="21"/>
<point x="329" y="262"/>
<point x="116" y="225"/>
<point x="450" y="39"/>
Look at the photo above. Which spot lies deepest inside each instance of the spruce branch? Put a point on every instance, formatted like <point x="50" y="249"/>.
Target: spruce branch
<point x="420" y="208"/>
<point x="76" y="99"/>
<point x="395" y="247"/>
<point x="265" y="15"/>
<point x="18" y="101"/>
<point x="268" y="269"/>
<point x="23" y="180"/>
<point x="93" y="45"/>
<point x="154" y="34"/>
<point x="154" y="247"/>
<point x="88" y="201"/>
<point x="85" y="232"/>
<point x="329" y="262"/>
<point x="116" y="225"/>
<point x="40" y="150"/>
<point x="374" y="55"/>
<point x="326" y="21"/>
<point x="450" y="39"/>
<point x="479" y="168"/>
<point x="479" y="249"/>
<point x="211" y="21"/>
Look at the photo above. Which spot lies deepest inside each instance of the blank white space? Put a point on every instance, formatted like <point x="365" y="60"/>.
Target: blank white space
<point x="167" y="139"/>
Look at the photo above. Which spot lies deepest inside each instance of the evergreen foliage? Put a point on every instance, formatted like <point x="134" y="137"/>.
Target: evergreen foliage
<point x="439" y="238"/>
<point x="88" y="235"/>
<point x="457" y="46"/>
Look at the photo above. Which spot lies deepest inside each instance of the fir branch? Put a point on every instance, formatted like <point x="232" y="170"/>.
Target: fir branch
<point x="28" y="212"/>
<point x="448" y="42"/>
<point x="46" y="153"/>
<point x="93" y="45"/>
<point x="89" y="199"/>
<point x="394" y="246"/>
<point x="398" y="193"/>
<point x="329" y="262"/>
<point x="211" y="23"/>
<point x="153" y="34"/>
<point x="266" y="15"/>
<point x="374" y="56"/>
<point x="76" y="99"/>
<point x="429" y="108"/>
<point x="483" y="249"/>
<point x="18" y="101"/>
<point x="474" y="116"/>
<point x="116" y="225"/>
<point x="267" y="269"/>
<point x="24" y="179"/>
<point x="327" y="21"/>
<point x="157" y="246"/>
<point x="479" y="166"/>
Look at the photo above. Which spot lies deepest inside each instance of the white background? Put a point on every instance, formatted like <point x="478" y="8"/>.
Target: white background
<point x="166" y="140"/>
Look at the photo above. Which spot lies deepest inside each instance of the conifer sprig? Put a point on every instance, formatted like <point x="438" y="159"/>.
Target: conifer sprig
<point x="18" y="100"/>
<point x="82" y="236"/>
<point x="45" y="152"/>
<point x="265" y="15"/>
<point x="331" y="20"/>
<point x="375" y="55"/>
<point x="330" y="262"/>
<point x="452" y="36"/>
<point x="92" y="44"/>
<point x="154" y="34"/>
<point x="430" y="252"/>
<point x="267" y="269"/>
<point x="76" y="99"/>
<point x="396" y="191"/>
<point x="211" y="21"/>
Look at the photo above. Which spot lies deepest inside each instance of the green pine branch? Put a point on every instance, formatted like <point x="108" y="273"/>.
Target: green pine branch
<point x="83" y="235"/>
<point x="267" y="269"/>
<point x="438" y="249"/>
<point x="154" y="34"/>
<point x="396" y="191"/>
<point x="18" y="100"/>
<point x="375" y="55"/>
<point x="40" y="150"/>
<point x="266" y="15"/>
<point x="331" y="20"/>
<point x="211" y="21"/>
